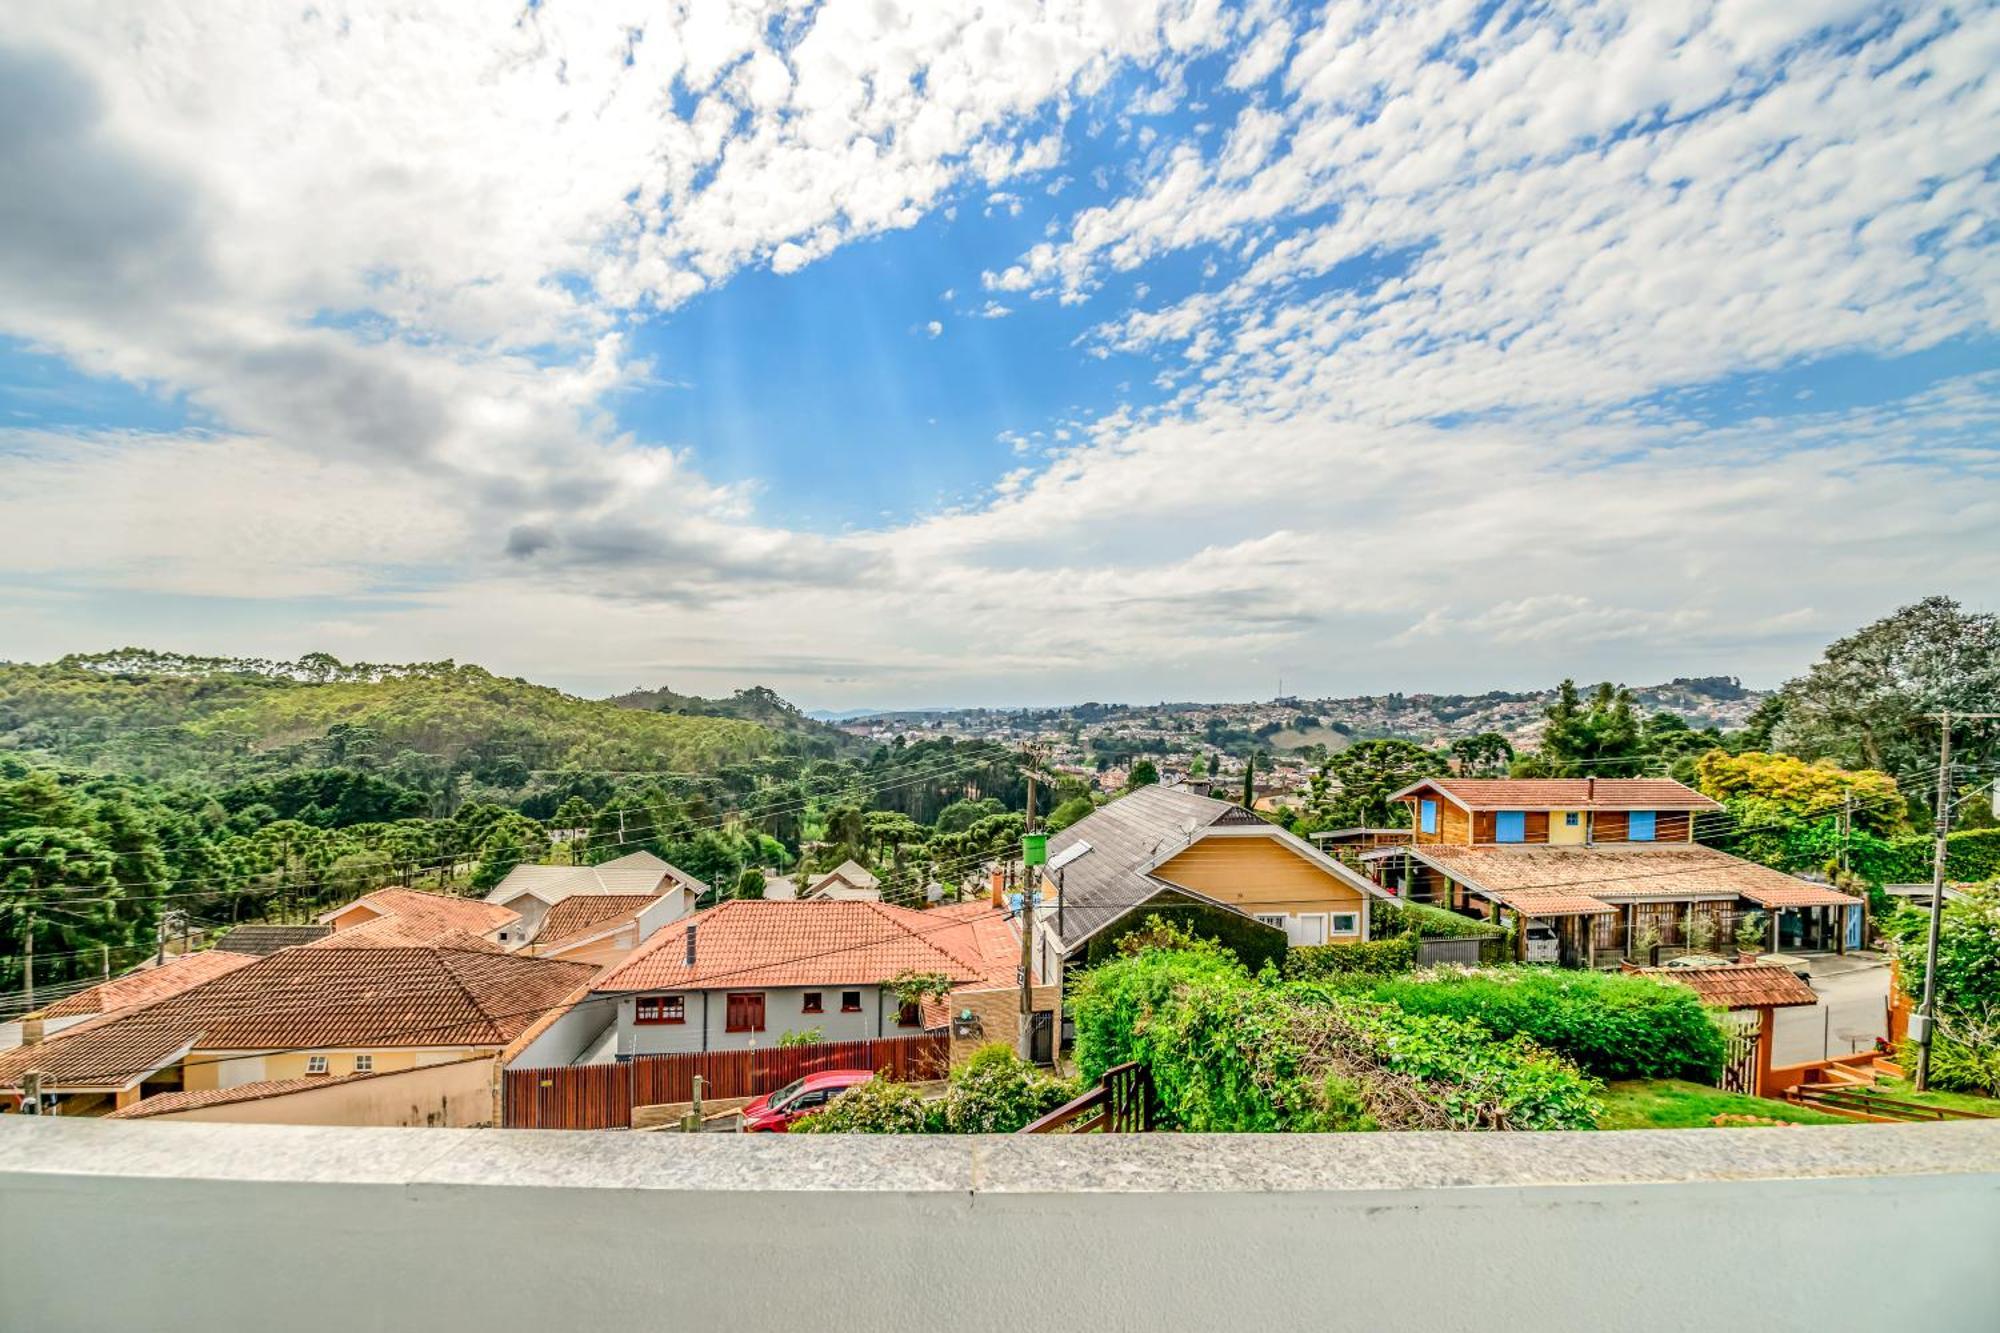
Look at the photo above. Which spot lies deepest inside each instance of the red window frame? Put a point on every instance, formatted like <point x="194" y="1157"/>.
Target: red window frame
<point x="814" y="1002"/>
<point x="744" y="1012"/>
<point x="850" y="1002"/>
<point x="660" y="1009"/>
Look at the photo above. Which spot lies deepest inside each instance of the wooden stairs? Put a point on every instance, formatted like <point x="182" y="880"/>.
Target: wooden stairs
<point x="1850" y="1091"/>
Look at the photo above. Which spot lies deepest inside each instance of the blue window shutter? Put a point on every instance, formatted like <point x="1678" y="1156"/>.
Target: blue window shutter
<point x="1510" y="826"/>
<point x="1640" y="825"/>
<point x="1430" y="816"/>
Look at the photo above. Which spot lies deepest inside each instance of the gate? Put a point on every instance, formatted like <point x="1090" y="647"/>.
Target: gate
<point x="1739" y="1062"/>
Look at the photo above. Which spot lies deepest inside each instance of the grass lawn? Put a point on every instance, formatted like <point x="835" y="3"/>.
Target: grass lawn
<point x="1669" y="1103"/>
<point x="1956" y="1101"/>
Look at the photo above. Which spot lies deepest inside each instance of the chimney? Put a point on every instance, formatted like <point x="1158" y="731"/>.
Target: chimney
<point x="999" y="879"/>
<point x="690" y="946"/>
<point x="1590" y="788"/>
<point x="32" y="1028"/>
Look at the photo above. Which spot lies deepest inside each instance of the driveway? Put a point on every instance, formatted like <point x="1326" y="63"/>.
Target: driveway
<point x="1852" y="1011"/>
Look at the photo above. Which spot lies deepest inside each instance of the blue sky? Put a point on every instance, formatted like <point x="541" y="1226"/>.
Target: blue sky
<point x="905" y="356"/>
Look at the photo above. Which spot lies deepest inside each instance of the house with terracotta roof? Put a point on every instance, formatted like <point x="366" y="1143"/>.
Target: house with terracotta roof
<point x="533" y="891"/>
<point x="143" y="985"/>
<point x="1751" y="992"/>
<point x="1598" y="867"/>
<point x="399" y="917"/>
<point x="1168" y="847"/>
<point x="327" y="1009"/>
<point x="603" y="928"/>
<point x="747" y="972"/>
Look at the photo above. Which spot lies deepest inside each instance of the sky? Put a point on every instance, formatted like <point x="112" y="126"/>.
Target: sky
<point x="939" y="353"/>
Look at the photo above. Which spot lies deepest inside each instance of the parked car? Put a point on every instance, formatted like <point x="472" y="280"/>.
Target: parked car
<point x="1542" y="944"/>
<point x="774" y="1112"/>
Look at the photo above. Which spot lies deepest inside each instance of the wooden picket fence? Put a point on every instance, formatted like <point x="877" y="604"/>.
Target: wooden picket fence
<point x="602" y="1096"/>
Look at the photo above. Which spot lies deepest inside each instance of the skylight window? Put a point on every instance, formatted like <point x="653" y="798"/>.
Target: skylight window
<point x="1068" y="854"/>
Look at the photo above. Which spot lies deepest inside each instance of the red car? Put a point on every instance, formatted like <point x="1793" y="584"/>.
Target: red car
<point x="774" y="1112"/>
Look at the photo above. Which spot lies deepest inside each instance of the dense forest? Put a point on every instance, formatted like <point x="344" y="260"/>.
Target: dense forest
<point x="136" y="785"/>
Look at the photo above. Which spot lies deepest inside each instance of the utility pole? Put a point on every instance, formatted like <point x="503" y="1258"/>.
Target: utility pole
<point x="28" y="956"/>
<point x="1925" y="1020"/>
<point x="1025" y="1036"/>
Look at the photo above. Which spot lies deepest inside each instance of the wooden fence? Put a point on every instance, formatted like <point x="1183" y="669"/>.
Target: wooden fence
<point x="603" y="1096"/>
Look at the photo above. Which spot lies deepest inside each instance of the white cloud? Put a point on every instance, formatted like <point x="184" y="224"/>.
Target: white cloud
<point x="1413" y="437"/>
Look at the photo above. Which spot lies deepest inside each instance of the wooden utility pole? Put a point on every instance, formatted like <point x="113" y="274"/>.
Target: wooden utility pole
<point x="28" y="957"/>
<point x="1025" y="1037"/>
<point x="1924" y="1022"/>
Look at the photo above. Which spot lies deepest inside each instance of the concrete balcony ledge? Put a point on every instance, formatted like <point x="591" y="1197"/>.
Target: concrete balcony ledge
<point x="1773" y="1228"/>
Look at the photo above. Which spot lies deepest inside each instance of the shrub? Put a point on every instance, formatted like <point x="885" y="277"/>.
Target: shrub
<point x="1311" y="961"/>
<point x="997" y="1092"/>
<point x="1431" y="923"/>
<point x="875" y="1107"/>
<point x="1254" y="943"/>
<point x="804" y="1037"/>
<point x="1229" y="1053"/>
<point x="1612" y="1026"/>
<point x="1965" y="1046"/>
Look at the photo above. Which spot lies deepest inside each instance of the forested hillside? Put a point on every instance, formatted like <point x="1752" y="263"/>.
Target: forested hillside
<point x="420" y="725"/>
<point x="136" y="787"/>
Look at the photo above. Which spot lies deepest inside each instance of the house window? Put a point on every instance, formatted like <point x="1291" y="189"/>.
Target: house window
<point x="1347" y="923"/>
<point x="907" y="1015"/>
<point x="1427" y="816"/>
<point x="364" y="1064"/>
<point x="1572" y="818"/>
<point x="315" y="1064"/>
<point x="661" y="1009"/>
<point x="1272" y="919"/>
<point x="850" y="1002"/>
<point x="1640" y="825"/>
<point x="746" y="1012"/>
<point x="814" y="1003"/>
<point x="1510" y="826"/>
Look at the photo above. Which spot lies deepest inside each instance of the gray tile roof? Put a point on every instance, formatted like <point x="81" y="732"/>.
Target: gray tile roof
<point x="1130" y="833"/>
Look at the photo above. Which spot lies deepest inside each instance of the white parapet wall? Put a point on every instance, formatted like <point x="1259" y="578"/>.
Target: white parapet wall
<point x="109" y="1225"/>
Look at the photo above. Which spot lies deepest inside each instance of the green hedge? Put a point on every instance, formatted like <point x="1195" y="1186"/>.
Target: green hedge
<point x="1310" y="961"/>
<point x="1253" y="943"/>
<point x="1234" y="1054"/>
<point x="1432" y="923"/>
<point x="1613" y="1026"/>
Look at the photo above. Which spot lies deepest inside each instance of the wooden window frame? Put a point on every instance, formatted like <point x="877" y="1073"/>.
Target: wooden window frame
<point x="319" y="1060"/>
<point x="847" y="1008"/>
<point x="910" y="1015"/>
<point x="1427" y="816"/>
<point x="671" y="1010"/>
<point x="729" y="1023"/>
<point x="813" y="1002"/>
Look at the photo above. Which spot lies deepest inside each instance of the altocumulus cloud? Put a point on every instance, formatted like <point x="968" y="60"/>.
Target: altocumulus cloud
<point x="1424" y="419"/>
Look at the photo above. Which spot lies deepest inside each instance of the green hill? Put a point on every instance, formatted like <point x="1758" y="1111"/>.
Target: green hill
<point x="165" y="715"/>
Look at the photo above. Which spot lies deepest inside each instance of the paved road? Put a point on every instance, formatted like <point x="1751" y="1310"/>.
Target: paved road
<point x="1851" y="1013"/>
